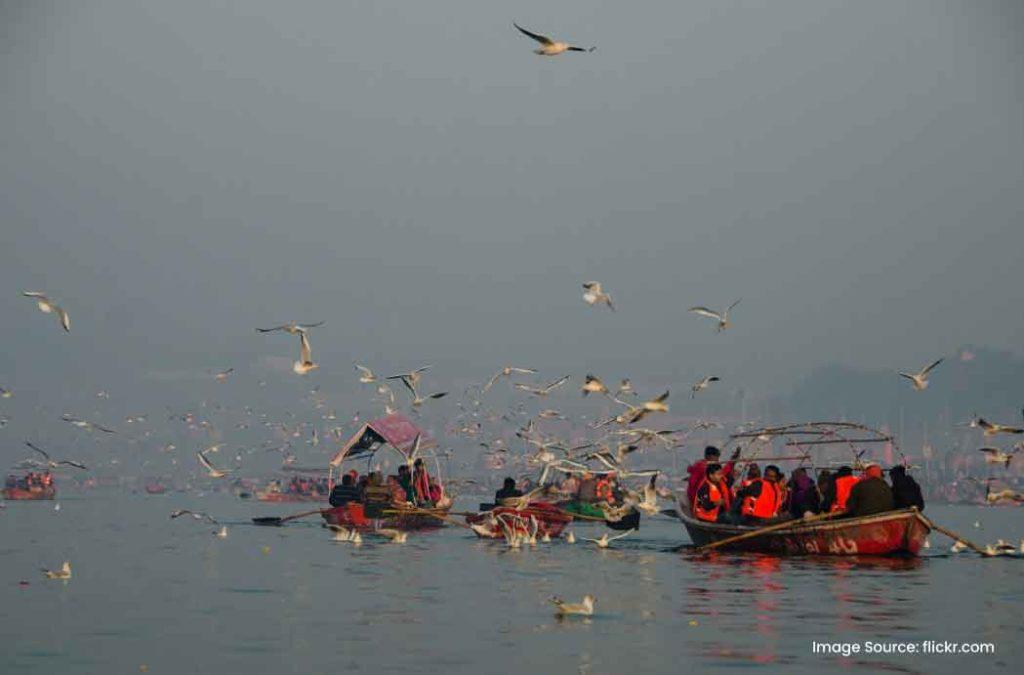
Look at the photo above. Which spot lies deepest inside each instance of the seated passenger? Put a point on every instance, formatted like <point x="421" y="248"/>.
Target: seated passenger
<point x="839" y="490"/>
<point x="712" y="499"/>
<point x="871" y="494"/>
<point x="905" y="490"/>
<point x="508" y="491"/>
<point x="344" y="493"/>
<point x="761" y="500"/>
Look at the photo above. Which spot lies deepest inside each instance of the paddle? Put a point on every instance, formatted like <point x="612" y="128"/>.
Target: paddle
<point x="278" y="520"/>
<point x="950" y="533"/>
<point x="786" y="524"/>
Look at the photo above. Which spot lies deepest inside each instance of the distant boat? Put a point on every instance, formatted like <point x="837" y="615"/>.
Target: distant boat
<point x="20" y="489"/>
<point x="155" y="487"/>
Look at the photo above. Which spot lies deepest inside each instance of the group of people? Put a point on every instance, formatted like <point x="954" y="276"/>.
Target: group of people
<point x="33" y="480"/>
<point x="302" y="485"/>
<point x="415" y="486"/>
<point x="716" y="496"/>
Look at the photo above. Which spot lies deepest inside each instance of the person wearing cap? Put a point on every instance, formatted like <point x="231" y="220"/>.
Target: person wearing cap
<point x="871" y="494"/>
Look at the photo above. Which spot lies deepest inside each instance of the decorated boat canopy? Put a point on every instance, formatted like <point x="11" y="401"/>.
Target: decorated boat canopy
<point x="396" y="431"/>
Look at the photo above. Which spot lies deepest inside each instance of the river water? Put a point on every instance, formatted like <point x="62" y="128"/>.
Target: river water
<point x="149" y="594"/>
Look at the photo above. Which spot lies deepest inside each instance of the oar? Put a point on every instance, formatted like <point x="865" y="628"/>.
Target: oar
<point x="950" y="533"/>
<point x="786" y="524"/>
<point x="278" y="520"/>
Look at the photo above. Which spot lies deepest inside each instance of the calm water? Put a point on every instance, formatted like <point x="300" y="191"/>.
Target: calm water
<point x="168" y="597"/>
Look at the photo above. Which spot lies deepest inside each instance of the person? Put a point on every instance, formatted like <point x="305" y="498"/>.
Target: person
<point x="405" y="480"/>
<point x="803" y="494"/>
<point x="421" y="483"/>
<point x="344" y="493"/>
<point x="569" y="487"/>
<point x="760" y="501"/>
<point x="508" y="491"/>
<point x="753" y="473"/>
<point x="604" y="490"/>
<point x="712" y="499"/>
<point x="697" y="470"/>
<point x="588" y="488"/>
<point x="905" y="490"/>
<point x="839" y="490"/>
<point x="869" y="495"/>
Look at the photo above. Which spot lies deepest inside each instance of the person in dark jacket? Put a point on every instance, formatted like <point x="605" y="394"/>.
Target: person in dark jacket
<point x="345" y="492"/>
<point x="871" y="494"/>
<point x="508" y="490"/>
<point x="803" y="494"/>
<point x="905" y="490"/>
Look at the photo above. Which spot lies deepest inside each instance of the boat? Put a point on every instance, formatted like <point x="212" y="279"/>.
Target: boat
<point x="378" y="509"/>
<point x="586" y="509"/>
<point x="154" y="487"/>
<point x="279" y="496"/>
<point x="899" y="532"/>
<point x="21" y="489"/>
<point x="549" y="519"/>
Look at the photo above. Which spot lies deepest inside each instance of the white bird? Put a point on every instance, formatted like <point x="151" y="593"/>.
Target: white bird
<point x="585" y="608"/>
<point x="47" y="306"/>
<point x="367" y="375"/>
<point x="507" y="371"/>
<point x="5" y="393"/>
<point x="223" y="375"/>
<point x="63" y="573"/>
<point x="625" y="387"/>
<point x="396" y="536"/>
<point x="702" y="384"/>
<point x="635" y="413"/>
<point x="605" y="540"/>
<point x="958" y="546"/>
<point x="418" y="400"/>
<point x="997" y="456"/>
<point x="593" y="385"/>
<point x="594" y="294"/>
<point x="52" y="464"/>
<point x="85" y="424"/>
<point x="341" y="533"/>
<point x="721" y="317"/>
<point x="292" y="328"/>
<point x="305" y="362"/>
<point x="548" y="46"/>
<point x="196" y="515"/>
<point x="919" y="380"/>
<point x="413" y="376"/>
<point x="211" y="470"/>
<point x="994" y="428"/>
<point x="570" y="537"/>
<point x="222" y="532"/>
<point x="544" y="390"/>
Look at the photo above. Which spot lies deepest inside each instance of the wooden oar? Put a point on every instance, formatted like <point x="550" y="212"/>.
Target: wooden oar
<point x="786" y="524"/>
<point x="278" y="520"/>
<point x="950" y="533"/>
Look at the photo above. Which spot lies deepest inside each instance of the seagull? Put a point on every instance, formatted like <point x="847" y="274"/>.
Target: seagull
<point x="52" y="464"/>
<point x="991" y="497"/>
<point x="958" y="546"/>
<point x="605" y="539"/>
<point x="625" y="387"/>
<point x="223" y="375"/>
<point x="593" y="385"/>
<point x="367" y="375"/>
<point x="211" y="470"/>
<point x="649" y="503"/>
<point x="997" y="456"/>
<point x="396" y="536"/>
<point x="418" y="400"/>
<point x="550" y="414"/>
<point x="548" y="46"/>
<point x="85" y="424"/>
<point x="5" y="393"/>
<point x="546" y="389"/>
<point x="47" y="306"/>
<point x="507" y="371"/>
<point x="305" y="362"/>
<point x="412" y="376"/>
<point x="63" y="573"/>
<point x="635" y="413"/>
<point x="585" y="608"/>
<point x="196" y="515"/>
<point x="570" y="537"/>
<point x="222" y="533"/>
<point x="292" y="328"/>
<point x="919" y="380"/>
<point x="993" y="428"/>
<point x="722" y="318"/>
<point x="594" y="294"/>
<point x="702" y="384"/>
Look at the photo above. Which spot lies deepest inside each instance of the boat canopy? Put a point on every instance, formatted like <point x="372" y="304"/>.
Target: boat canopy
<point x="395" y="430"/>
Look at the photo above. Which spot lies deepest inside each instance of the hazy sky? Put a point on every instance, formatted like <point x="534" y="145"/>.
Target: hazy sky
<point x="177" y="173"/>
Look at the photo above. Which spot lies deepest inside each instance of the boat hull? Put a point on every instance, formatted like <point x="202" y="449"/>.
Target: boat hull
<point x="23" y="494"/>
<point x="891" y="533"/>
<point x="550" y="520"/>
<point x="353" y="516"/>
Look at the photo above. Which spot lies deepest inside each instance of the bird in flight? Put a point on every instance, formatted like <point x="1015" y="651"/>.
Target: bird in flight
<point x="721" y="317"/>
<point x="305" y="362"/>
<point x="367" y="376"/>
<point x="292" y="328"/>
<point x="919" y="380"/>
<point x="585" y="608"/>
<point x="47" y="306"/>
<point x="211" y="470"/>
<point x="605" y="540"/>
<point x="223" y="375"/>
<point x="507" y="371"/>
<point x="997" y="456"/>
<point x="54" y="464"/>
<point x="412" y="377"/>
<point x="418" y="400"/>
<point x="546" y="389"/>
<point x="994" y="428"/>
<point x="63" y="573"/>
<point x="702" y="384"/>
<point x="593" y="385"/>
<point x="196" y="515"/>
<point x="593" y="294"/>
<point x="549" y="47"/>
<point x="86" y="424"/>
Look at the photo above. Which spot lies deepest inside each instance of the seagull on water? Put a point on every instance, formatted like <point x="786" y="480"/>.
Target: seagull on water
<point x="721" y="317"/>
<point x="594" y="294"/>
<point x="47" y="306"/>
<point x="549" y="47"/>
<point x="605" y="540"/>
<point x="396" y="536"/>
<point x="585" y="608"/>
<point x="919" y="380"/>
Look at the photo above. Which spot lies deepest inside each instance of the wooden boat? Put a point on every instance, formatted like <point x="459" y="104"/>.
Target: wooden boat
<point x="550" y="520"/>
<point x="576" y="507"/>
<point x="359" y="516"/>
<point x="274" y="496"/>
<point x="30" y="494"/>
<point x="891" y="533"/>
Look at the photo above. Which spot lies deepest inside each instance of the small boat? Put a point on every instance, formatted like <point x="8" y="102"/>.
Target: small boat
<point x="155" y="487"/>
<point x="30" y="487"/>
<point x="891" y="533"/>
<point x="578" y="508"/>
<point x="366" y="517"/>
<point x="277" y="496"/>
<point x="550" y="520"/>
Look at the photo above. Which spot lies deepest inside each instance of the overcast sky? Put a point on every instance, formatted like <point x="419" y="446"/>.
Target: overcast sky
<point x="178" y="173"/>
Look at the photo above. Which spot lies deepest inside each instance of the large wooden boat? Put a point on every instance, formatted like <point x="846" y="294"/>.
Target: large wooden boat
<point x="29" y="494"/>
<point x="548" y="518"/>
<point x="356" y="515"/>
<point x="891" y="533"/>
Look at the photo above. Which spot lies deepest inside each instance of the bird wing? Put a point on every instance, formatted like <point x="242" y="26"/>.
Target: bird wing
<point x="929" y="368"/>
<point x="366" y="371"/>
<point x="410" y="387"/>
<point x="205" y="462"/>
<point x="41" y="452"/>
<point x="526" y="387"/>
<point x="557" y="383"/>
<point x="990" y="451"/>
<point x="271" y="330"/>
<point x="35" y="294"/>
<point x="525" y="371"/>
<point x="421" y="370"/>
<point x="74" y="464"/>
<point x="65" y="320"/>
<point x="304" y="326"/>
<point x="908" y="376"/>
<point x="494" y="379"/>
<point x="661" y="399"/>
<point x="440" y="394"/>
<point x="305" y="352"/>
<point x="733" y="305"/>
<point x="704" y="311"/>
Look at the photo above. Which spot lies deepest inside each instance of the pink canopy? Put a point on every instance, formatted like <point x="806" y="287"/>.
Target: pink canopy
<point x="396" y="430"/>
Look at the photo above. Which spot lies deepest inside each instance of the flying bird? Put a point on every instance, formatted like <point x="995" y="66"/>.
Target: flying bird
<point x="721" y="317"/>
<point x="211" y="470"/>
<point x="625" y="387"/>
<point x="546" y="389"/>
<point x="702" y="384"/>
<point x="593" y="294"/>
<point x="367" y="375"/>
<point x="5" y="393"/>
<point x="196" y="515"/>
<point x="305" y="362"/>
<point x="63" y="573"/>
<point x="54" y="464"/>
<point x="605" y="540"/>
<point x="86" y="424"/>
<point x="223" y="375"/>
<point x="919" y="380"/>
<point x="593" y="385"/>
<point x="418" y="400"/>
<point x="997" y="456"/>
<point x="549" y="47"/>
<point x="635" y="413"/>
<point x="993" y="428"/>
<point x="507" y="371"/>
<point x="292" y="328"/>
<point x="47" y="306"/>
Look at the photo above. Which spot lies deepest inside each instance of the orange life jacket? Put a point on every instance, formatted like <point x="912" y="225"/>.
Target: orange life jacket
<point x="843" y="486"/>
<point x="603" y="491"/>
<point x="764" y="506"/>
<point x="714" y="493"/>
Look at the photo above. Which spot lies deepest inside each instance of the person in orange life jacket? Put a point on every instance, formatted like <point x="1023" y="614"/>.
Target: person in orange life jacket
<point x="761" y="500"/>
<point x="712" y="500"/>
<point x="839" y="491"/>
<point x="697" y="470"/>
<point x="753" y="473"/>
<point x="605" y="488"/>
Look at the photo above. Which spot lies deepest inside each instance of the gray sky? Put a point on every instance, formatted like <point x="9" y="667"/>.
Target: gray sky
<point x="179" y="173"/>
